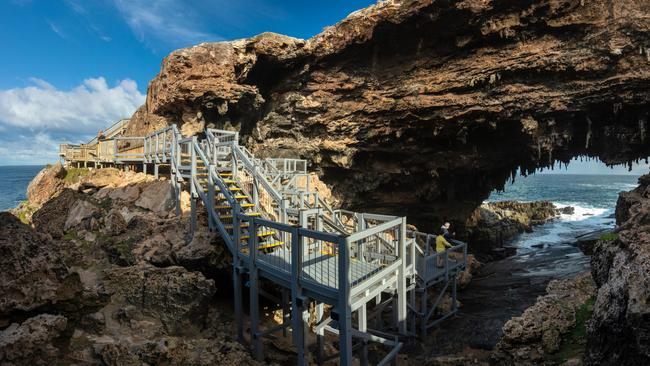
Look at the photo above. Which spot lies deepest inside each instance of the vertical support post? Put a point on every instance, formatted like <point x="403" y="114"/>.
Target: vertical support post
<point x="237" y="274"/>
<point x="164" y="147"/>
<point x="401" y="281"/>
<point x="296" y="294"/>
<point x="155" y="170"/>
<point x="319" y="335"/>
<point x="363" y="327"/>
<point x="286" y="312"/>
<point x="302" y="220"/>
<point x="254" y="291"/>
<point x="360" y="243"/>
<point x="454" y="285"/>
<point x="344" y="307"/>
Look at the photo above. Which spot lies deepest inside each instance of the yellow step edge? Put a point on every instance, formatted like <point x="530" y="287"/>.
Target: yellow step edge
<point x="245" y="213"/>
<point x="259" y="235"/>
<point x="271" y="245"/>
<point x="237" y="197"/>
<point x="226" y="207"/>
<point x="231" y="189"/>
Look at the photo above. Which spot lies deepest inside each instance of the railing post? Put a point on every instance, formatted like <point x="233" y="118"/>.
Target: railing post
<point x="237" y="277"/>
<point x="344" y="308"/>
<point x="254" y="290"/>
<point x="296" y="294"/>
<point x="211" y="197"/>
<point x="193" y="194"/>
<point x="401" y="281"/>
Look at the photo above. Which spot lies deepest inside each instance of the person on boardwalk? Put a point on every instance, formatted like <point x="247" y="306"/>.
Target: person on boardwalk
<point x="441" y="246"/>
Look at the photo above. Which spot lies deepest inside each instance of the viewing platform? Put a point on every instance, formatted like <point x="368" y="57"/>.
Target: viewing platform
<point x="374" y="275"/>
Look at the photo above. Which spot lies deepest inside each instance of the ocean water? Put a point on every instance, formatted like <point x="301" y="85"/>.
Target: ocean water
<point x="13" y="184"/>
<point x="593" y="198"/>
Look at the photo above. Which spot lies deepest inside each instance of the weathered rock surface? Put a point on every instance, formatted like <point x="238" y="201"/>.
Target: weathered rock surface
<point x="423" y="107"/>
<point x="541" y="331"/>
<point x="619" y="331"/>
<point x="32" y="273"/>
<point x="157" y="197"/>
<point x="30" y="343"/>
<point x="493" y="224"/>
<point x="176" y="352"/>
<point x="47" y="184"/>
<point x="80" y="214"/>
<point x="175" y="296"/>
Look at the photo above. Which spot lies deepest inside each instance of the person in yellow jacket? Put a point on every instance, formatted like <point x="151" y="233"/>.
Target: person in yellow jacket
<point x="441" y="245"/>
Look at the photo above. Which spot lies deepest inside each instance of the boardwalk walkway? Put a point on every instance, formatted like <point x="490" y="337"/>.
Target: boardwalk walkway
<point x="376" y="277"/>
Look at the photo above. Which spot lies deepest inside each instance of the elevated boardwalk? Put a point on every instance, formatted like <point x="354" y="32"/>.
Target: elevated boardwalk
<point x="368" y="268"/>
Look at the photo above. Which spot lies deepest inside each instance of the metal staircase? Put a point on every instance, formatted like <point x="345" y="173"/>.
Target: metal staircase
<point x="366" y="267"/>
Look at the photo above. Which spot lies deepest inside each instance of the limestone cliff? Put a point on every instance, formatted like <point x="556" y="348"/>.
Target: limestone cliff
<point x="422" y="107"/>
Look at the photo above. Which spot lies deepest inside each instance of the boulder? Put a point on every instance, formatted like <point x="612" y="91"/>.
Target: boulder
<point x="47" y="184"/>
<point x="114" y="223"/>
<point x="157" y="197"/>
<point x="32" y="273"/>
<point x="33" y="341"/>
<point x="538" y="334"/>
<point x="80" y="215"/>
<point x="52" y="216"/>
<point x="173" y="295"/>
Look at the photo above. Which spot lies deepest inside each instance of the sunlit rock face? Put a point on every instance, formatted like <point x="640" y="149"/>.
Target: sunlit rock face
<point x="424" y="107"/>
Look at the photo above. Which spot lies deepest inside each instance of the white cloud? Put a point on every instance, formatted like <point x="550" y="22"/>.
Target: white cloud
<point x="56" y="30"/>
<point x="168" y="21"/>
<point x="84" y="109"/>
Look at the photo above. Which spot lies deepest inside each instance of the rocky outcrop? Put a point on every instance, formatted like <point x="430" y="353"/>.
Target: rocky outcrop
<point x="493" y="224"/>
<point x="47" y="184"/>
<point x="175" y="296"/>
<point x="552" y="330"/>
<point x="424" y="107"/>
<point x="31" y="343"/>
<point x="620" y="327"/>
<point x="32" y="273"/>
<point x="109" y="256"/>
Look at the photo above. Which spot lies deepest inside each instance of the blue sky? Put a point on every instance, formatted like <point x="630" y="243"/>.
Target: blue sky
<point x="71" y="67"/>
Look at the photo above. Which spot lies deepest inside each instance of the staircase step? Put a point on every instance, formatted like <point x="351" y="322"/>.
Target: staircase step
<point x="270" y="245"/>
<point x="231" y="189"/>
<point x="226" y="207"/>
<point x="241" y="225"/>
<point x="246" y="213"/>
<point x="259" y="235"/>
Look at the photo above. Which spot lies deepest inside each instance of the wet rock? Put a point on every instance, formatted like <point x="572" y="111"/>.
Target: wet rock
<point x="80" y="214"/>
<point x="47" y="184"/>
<point x="618" y="331"/>
<point x="175" y="296"/>
<point x="538" y="334"/>
<point x="32" y="342"/>
<point x="494" y="224"/>
<point x="157" y="197"/>
<point x="32" y="273"/>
